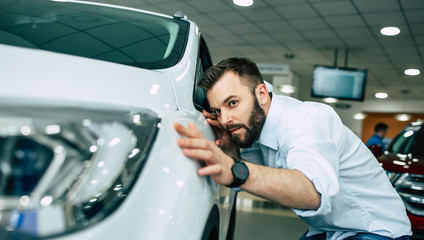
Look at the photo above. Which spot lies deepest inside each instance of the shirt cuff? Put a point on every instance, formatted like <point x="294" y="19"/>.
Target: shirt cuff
<point x="237" y="189"/>
<point x="326" y="195"/>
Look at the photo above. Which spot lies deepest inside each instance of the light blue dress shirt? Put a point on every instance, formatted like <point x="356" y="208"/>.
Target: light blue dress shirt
<point x="356" y="195"/>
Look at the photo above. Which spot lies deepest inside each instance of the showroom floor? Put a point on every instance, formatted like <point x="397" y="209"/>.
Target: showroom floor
<point x="262" y="220"/>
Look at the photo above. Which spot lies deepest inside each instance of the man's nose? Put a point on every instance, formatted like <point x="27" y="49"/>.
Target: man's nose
<point x="226" y="118"/>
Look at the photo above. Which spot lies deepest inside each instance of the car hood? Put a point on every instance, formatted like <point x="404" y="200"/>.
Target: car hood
<point x="38" y="77"/>
<point x="402" y="163"/>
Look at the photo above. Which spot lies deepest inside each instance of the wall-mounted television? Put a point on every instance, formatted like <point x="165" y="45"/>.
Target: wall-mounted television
<point x="338" y="82"/>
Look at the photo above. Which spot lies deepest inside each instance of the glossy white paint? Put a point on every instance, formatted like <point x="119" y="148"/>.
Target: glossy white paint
<point x="169" y="200"/>
<point x="43" y="77"/>
<point x="183" y="73"/>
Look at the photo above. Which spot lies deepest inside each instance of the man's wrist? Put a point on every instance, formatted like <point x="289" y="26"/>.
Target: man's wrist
<point x="240" y="173"/>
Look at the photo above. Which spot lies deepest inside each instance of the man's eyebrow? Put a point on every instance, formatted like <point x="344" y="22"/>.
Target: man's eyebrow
<point x="228" y="99"/>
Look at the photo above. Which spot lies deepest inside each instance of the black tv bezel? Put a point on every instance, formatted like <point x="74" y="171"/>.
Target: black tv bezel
<point x="365" y="71"/>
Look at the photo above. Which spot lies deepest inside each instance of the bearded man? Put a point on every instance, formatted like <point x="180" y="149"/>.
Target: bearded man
<point x="297" y="154"/>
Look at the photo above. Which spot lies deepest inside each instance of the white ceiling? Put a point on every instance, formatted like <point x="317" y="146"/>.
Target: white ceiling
<point x="312" y="30"/>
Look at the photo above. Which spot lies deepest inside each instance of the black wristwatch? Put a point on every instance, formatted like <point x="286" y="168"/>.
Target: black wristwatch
<point x="240" y="173"/>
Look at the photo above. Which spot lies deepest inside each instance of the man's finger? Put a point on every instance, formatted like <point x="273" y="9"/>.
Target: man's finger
<point x="187" y="132"/>
<point x="214" y="123"/>
<point x="192" y="143"/>
<point x="195" y="131"/>
<point x="215" y="169"/>
<point x="199" y="154"/>
<point x="218" y="143"/>
<point x="180" y="128"/>
<point x="208" y="114"/>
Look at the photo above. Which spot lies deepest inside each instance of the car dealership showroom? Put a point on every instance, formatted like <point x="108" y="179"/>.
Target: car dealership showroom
<point x="117" y="122"/>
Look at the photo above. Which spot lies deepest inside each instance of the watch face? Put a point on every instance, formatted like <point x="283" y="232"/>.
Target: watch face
<point x="240" y="171"/>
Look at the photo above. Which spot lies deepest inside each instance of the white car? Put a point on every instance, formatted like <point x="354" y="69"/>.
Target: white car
<point x="89" y="93"/>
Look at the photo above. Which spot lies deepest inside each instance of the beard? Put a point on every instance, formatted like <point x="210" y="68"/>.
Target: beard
<point x="256" y="122"/>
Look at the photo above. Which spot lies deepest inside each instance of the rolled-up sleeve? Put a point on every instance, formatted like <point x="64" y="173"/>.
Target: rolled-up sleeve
<point x="312" y="151"/>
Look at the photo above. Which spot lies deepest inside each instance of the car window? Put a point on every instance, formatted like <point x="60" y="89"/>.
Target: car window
<point x="417" y="146"/>
<point x="117" y="35"/>
<point x="203" y="63"/>
<point x="410" y="140"/>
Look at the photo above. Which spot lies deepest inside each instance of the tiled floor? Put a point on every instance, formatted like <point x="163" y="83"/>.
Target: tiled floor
<point x="261" y="220"/>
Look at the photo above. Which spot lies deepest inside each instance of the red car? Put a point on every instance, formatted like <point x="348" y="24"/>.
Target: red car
<point x="404" y="164"/>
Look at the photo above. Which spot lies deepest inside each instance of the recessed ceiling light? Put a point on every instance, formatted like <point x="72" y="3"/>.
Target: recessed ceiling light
<point x="402" y="117"/>
<point x="390" y="31"/>
<point x="381" y="95"/>
<point x="412" y="72"/>
<point x="330" y="100"/>
<point x="359" y="116"/>
<point x="287" y="89"/>
<point x="243" y="3"/>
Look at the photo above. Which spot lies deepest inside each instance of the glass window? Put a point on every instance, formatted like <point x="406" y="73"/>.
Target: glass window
<point x="410" y="140"/>
<point x="203" y="63"/>
<point x="117" y="35"/>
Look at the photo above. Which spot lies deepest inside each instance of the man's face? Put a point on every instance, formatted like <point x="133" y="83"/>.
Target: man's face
<point x="237" y="109"/>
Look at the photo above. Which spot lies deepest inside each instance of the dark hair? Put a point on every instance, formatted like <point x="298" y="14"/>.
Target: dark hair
<point x="380" y="127"/>
<point x="243" y="67"/>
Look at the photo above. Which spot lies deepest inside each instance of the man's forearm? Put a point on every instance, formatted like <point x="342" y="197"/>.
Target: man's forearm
<point x="287" y="187"/>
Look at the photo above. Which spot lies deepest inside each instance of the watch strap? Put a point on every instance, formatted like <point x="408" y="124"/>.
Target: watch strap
<point x="237" y="181"/>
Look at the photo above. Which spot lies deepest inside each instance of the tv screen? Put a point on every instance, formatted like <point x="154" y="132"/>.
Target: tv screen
<point x="340" y="83"/>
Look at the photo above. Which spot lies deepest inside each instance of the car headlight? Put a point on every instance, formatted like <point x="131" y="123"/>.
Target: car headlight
<point x="66" y="169"/>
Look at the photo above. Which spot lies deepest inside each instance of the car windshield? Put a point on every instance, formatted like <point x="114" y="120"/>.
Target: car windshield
<point x="410" y="140"/>
<point x="93" y="30"/>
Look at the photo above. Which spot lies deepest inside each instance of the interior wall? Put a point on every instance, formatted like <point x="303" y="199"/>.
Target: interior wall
<point x="374" y="106"/>
<point x="395" y="126"/>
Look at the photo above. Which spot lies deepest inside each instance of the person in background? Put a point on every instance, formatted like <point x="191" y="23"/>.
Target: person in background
<point x="375" y="143"/>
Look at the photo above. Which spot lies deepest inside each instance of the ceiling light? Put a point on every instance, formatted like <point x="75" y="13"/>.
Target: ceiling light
<point x="381" y="95"/>
<point x="390" y="31"/>
<point x="359" y="116"/>
<point x="402" y="117"/>
<point x="330" y="100"/>
<point x="243" y="3"/>
<point x="412" y="72"/>
<point x="287" y="89"/>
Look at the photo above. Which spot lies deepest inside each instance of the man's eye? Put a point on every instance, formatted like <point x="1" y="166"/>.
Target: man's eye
<point x="233" y="102"/>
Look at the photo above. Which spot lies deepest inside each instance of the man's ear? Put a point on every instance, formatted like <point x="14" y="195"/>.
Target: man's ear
<point x="262" y="94"/>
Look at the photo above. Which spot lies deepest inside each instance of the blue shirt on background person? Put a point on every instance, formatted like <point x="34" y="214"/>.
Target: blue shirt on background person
<point x="376" y="140"/>
<point x="380" y="131"/>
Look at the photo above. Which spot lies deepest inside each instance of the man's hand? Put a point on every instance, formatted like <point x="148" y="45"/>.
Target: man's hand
<point x="224" y="140"/>
<point x="223" y="137"/>
<point x="195" y="145"/>
<point x="287" y="187"/>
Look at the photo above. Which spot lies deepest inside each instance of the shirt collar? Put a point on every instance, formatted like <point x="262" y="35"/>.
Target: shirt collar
<point x="269" y="136"/>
